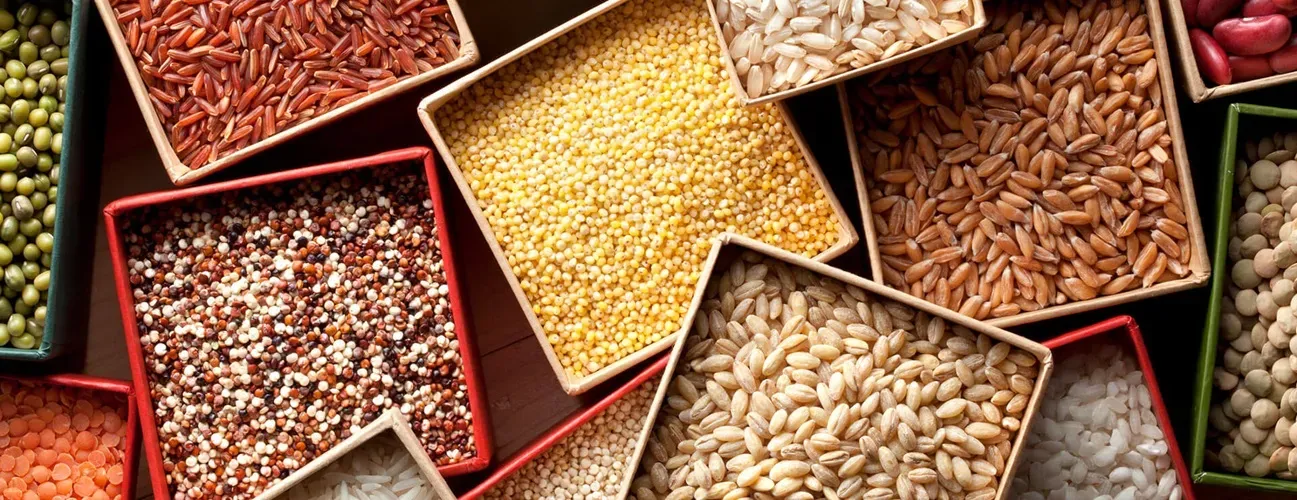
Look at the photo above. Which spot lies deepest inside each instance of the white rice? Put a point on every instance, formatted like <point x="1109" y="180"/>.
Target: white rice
<point x="1096" y="435"/>
<point x="379" y="469"/>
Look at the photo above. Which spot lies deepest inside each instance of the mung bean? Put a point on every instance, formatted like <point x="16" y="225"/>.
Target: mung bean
<point x="33" y="70"/>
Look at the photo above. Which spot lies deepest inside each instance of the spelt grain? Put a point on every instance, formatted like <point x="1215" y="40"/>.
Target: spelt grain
<point x="1028" y="168"/>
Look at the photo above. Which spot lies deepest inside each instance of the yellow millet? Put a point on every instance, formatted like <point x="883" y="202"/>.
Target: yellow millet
<point x="607" y="160"/>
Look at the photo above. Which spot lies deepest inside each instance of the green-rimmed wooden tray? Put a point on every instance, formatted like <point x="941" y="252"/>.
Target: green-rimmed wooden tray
<point x="1252" y="117"/>
<point x="78" y="197"/>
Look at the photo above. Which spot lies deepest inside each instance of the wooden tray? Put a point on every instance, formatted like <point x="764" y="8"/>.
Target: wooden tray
<point x="390" y="421"/>
<point x="1199" y="265"/>
<point x="181" y="174"/>
<point x="969" y="34"/>
<point x="1123" y="331"/>
<point x="847" y="236"/>
<point x="730" y="246"/>
<point x="1205" y="386"/>
<point x="121" y="209"/>
<point x="1198" y="88"/>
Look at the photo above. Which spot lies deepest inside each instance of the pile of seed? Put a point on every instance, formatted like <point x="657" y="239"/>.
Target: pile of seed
<point x="608" y="237"/>
<point x="61" y="442"/>
<point x="1096" y="434"/>
<point x="1253" y="412"/>
<point x="33" y="67"/>
<point x="382" y="468"/>
<point x="278" y="320"/>
<point x="225" y="74"/>
<point x="782" y="44"/>
<point x="1027" y="169"/>
<point x="799" y="386"/>
<point x="589" y="463"/>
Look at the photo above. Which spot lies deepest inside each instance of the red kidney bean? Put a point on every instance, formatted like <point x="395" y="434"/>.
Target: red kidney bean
<point x="1190" y="8"/>
<point x="1212" y="61"/>
<point x="1258" y="8"/>
<point x="1285" y="59"/>
<point x="1211" y="12"/>
<point x="1250" y="36"/>
<point x="1288" y="5"/>
<point x="1246" y="68"/>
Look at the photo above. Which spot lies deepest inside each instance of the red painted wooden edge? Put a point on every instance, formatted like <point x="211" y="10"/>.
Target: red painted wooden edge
<point x="139" y="373"/>
<point x="1127" y="325"/>
<point x="130" y="461"/>
<point x="563" y="429"/>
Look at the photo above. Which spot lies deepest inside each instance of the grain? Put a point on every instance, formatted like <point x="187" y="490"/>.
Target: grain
<point x="607" y="237"/>
<point x="867" y="420"/>
<point x="777" y="45"/>
<point x="223" y="75"/>
<point x="331" y="303"/>
<point x="62" y="441"/>
<point x="593" y="460"/>
<point x="380" y="468"/>
<point x="1252" y="414"/>
<point x="1027" y="169"/>
<point x="1096" y="433"/>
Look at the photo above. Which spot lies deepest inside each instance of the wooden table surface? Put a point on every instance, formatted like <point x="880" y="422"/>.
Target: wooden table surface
<point x="524" y="396"/>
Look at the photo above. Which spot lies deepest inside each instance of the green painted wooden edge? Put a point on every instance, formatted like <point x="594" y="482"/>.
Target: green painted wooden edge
<point x="69" y="232"/>
<point x="1207" y="358"/>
